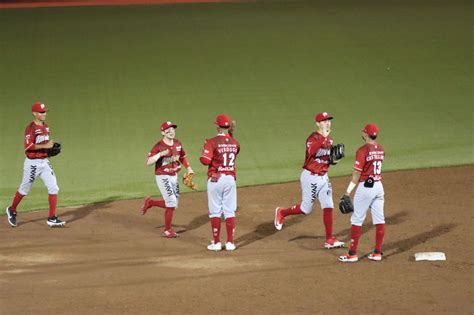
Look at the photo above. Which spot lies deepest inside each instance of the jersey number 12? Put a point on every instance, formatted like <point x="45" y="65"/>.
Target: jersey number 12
<point x="229" y="158"/>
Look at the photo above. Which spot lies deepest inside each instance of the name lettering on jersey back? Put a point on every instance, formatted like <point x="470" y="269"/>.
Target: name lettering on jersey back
<point x="374" y="155"/>
<point x="226" y="148"/>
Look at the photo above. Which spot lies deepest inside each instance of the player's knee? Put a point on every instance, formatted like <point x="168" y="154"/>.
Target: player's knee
<point x="23" y="192"/>
<point x="306" y="208"/>
<point x="53" y="190"/>
<point x="24" y="189"/>
<point x="356" y="220"/>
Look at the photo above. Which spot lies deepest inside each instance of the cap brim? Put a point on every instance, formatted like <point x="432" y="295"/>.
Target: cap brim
<point x="327" y="118"/>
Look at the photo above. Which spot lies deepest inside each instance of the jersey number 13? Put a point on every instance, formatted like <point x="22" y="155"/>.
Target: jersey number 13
<point x="377" y="167"/>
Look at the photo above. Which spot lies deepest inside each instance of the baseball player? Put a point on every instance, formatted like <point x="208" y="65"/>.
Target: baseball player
<point x="367" y="176"/>
<point x="37" y="144"/>
<point x="314" y="180"/>
<point x="167" y="155"/>
<point x="220" y="154"/>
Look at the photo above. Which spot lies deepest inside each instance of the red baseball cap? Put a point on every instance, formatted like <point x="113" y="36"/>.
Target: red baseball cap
<point x="167" y="124"/>
<point x="39" y="107"/>
<point x="223" y="121"/>
<point x="323" y="116"/>
<point x="371" y="129"/>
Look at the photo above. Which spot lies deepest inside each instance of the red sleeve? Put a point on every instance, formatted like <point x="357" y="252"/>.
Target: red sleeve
<point x="29" y="142"/>
<point x="360" y="160"/>
<point x="182" y="157"/>
<point x="154" y="150"/>
<point x="207" y="153"/>
<point x="312" y="145"/>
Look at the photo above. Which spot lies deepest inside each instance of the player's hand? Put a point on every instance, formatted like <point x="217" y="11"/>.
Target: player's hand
<point x="165" y="152"/>
<point x="190" y="170"/>
<point x="49" y="144"/>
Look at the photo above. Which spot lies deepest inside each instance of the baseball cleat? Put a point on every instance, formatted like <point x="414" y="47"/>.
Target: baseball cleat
<point x="375" y="256"/>
<point x="169" y="234"/>
<point x="230" y="246"/>
<point x="278" y="219"/>
<point x="55" y="222"/>
<point x="333" y="243"/>
<point x="146" y="205"/>
<point x="215" y="246"/>
<point x="11" y="216"/>
<point x="348" y="258"/>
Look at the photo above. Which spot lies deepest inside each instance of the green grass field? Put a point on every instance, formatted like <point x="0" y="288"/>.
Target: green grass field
<point x="111" y="75"/>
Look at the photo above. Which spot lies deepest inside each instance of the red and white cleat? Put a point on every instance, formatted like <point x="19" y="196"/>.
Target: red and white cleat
<point x="375" y="256"/>
<point x="146" y="205"/>
<point x="333" y="243"/>
<point x="169" y="233"/>
<point x="279" y="218"/>
<point x="348" y="258"/>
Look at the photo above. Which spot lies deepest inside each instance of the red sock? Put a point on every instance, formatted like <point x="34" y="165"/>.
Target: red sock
<point x="168" y="217"/>
<point x="158" y="203"/>
<point x="379" y="235"/>
<point x="355" y="235"/>
<point x="16" y="201"/>
<point x="230" y="226"/>
<point x="216" y="229"/>
<point x="327" y="218"/>
<point x="292" y="211"/>
<point x="53" y="200"/>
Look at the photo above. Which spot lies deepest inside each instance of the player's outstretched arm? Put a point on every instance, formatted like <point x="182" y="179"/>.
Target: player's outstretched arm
<point x="353" y="182"/>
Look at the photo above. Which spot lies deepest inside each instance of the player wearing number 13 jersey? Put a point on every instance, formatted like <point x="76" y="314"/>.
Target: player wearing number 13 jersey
<point x="367" y="176"/>
<point x="220" y="154"/>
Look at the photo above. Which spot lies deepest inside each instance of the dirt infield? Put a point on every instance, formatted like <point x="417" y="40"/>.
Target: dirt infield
<point x="111" y="260"/>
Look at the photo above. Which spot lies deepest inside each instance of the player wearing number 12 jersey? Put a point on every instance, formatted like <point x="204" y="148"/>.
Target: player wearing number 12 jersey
<point x="367" y="176"/>
<point x="220" y="154"/>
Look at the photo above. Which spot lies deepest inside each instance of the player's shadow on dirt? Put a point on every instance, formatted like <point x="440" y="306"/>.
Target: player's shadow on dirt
<point x="345" y="234"/>
<point x="79" y="213"/>
<point x="264" y="230"/>
<point x="398" y="247"/>
<point x="196" y="223"/>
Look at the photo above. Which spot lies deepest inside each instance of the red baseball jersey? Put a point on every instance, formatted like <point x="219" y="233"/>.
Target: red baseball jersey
<point x="369" y="159"/>
<point x="169" y="164"/>
<point x="318" y="149"/>
<point x="36" y="134"/>
<point x="222" y="152"/>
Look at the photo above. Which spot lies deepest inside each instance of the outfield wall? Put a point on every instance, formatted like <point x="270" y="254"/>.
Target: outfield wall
<point x="69" y="3"/>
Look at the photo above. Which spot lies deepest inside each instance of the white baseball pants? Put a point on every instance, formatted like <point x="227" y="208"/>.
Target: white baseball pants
<point x="366" y="198"/>
<point x="315" y="187"/>
<point x="169" y="189"/>
<point x="222" y="197"/>
<point x="34" y="168"/>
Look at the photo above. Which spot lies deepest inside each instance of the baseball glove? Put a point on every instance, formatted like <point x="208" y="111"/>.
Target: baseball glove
<point x="337" y="153"/>
<point x="188" y="181"/>
<point x="55" y="150"/>
<point x="345" y="204"/>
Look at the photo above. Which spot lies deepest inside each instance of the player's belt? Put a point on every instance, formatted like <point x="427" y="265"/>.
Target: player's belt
<point x="318" y="174"/>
